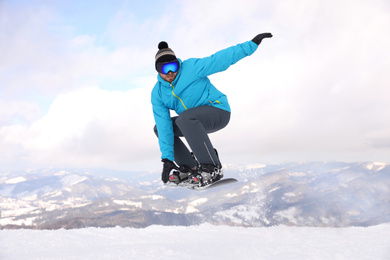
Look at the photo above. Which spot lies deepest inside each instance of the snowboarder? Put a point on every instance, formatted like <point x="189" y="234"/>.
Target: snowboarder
<point x="183" y="86"/>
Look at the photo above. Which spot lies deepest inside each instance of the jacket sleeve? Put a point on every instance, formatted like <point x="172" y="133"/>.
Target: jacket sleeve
<point x="223" y="59"/>
<point x="164" y="126"/>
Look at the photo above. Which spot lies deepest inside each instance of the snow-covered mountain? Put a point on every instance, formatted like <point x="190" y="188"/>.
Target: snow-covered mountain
<point x="299" y="194"/>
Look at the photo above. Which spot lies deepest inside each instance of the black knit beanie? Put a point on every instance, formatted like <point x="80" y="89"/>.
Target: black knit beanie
<point x="164" y="53"/>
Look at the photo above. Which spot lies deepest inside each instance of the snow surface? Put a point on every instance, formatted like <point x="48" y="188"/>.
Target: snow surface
<point x="198" y="242"/>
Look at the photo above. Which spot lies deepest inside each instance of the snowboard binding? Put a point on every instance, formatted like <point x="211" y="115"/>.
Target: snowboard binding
<point x="199" y="180"/>
<point x="201" y="176"/>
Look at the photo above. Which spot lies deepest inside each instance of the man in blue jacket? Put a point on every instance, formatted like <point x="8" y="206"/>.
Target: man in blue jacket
<point x="184" y="86"/>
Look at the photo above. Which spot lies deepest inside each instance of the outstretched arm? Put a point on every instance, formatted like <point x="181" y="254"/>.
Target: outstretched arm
<point x="223" y="59"/>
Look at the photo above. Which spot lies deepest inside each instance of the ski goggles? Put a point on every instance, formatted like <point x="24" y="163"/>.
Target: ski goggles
<point x="165" y="67"/>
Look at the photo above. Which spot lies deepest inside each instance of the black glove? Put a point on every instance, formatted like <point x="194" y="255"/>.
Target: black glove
<point x="167" y="168"/>
<point x="260" y="37"/>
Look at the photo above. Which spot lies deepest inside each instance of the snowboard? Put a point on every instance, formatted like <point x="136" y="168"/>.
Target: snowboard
<point x="205" y="187"/>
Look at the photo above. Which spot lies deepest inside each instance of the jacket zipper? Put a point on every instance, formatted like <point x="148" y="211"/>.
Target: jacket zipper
<point x="173" y="88"/>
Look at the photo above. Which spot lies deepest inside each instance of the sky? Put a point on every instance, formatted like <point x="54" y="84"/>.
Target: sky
<point x="76" y="78"/>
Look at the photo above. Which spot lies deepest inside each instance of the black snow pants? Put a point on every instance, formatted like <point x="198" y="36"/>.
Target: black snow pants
<point x="194" y="125"/>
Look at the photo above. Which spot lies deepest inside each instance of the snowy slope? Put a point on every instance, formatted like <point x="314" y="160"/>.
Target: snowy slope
<point x="198" y="242"/>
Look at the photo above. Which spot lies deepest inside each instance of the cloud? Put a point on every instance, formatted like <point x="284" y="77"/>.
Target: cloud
<point x="316" y="90"/>
<point x="88" y="127"/>
<point x="45" y="57"/>
<point x="18" y="112"/>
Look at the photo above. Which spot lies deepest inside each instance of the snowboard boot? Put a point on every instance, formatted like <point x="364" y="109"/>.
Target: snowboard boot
<point x="215" y="171"/>
<point x="207" y="173"/>
<point x="182" y="174"/>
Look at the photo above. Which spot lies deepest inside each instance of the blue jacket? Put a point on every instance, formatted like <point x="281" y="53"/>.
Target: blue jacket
<point x="192" y="88"/>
